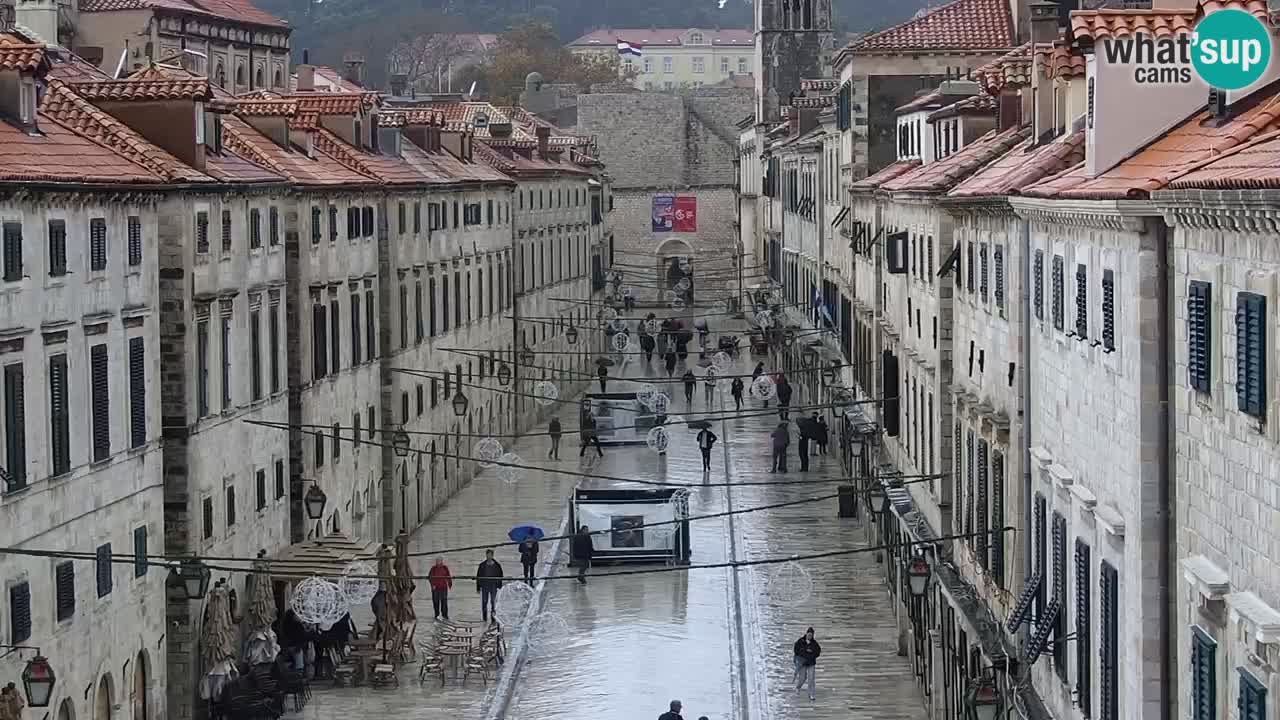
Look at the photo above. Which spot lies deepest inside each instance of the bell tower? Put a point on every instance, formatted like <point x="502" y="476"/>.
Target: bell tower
<point x="792" y="41"/>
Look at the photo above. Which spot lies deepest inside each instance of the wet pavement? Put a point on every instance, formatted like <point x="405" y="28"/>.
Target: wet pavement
<point x="635" y="642"/>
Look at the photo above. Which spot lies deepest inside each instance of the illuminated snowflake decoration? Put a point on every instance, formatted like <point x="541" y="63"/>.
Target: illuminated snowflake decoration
<point x="685" y="264"/>
<point x="652" y="326"/>
<point x="618" y="325"/>
<point x="789" y="584"/>
<point x="683" y="284"/>
<point x="646" y="393"/>
<point x="658" y="439"/>
<point x="763" y="388"/>
<point x="359" y="582"/>
<point x="680" y="501"/>
<point x="509" y="469"/>
<point x="678" y="304"/>
<point x="661" y="402"/>
<point x="621" y="342"/>
<point x="487" y="451"/>
<point x="511" y="607"/>
<point x="547" y="633"/>
<point x="317" y="601"/>
<point x="626" y="291"/>
<point x="722" y="362"/>
<point x="764" y="319"/>
<point x="608" y="315"/>
<point x="545" y="392"/>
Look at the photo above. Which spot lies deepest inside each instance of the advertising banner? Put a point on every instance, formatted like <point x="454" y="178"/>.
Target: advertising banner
<point x="664" y="213"/>
<point x="686" y="214"/>
<point x="675" y="213"/>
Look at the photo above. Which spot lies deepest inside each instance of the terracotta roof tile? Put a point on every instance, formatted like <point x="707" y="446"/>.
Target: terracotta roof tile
<point x="972" y="105"/>
<point x="236" y="10"/>
<point x="1252" y="166"/>
<point x="70" y="67"/>
<point x="1023" y="166"/>
<point x="59" y="154"/>
<point x="942" y="175"/>
<point x="958" y="25"/>
<point x="265" y="108"/>
<point x="333" y="103"/>
<point x="1169" y="157"/>
<point x="19" y="55"/>
<point x="1257" y="8"/>
<point x="444" y="166"/>
<point x="1011" y="70"/>
<point x="813" y="102"/>
<point x="1060" y="62"/>
<point x="231" y="167"/>
<point x="818" y="85"/>
<point x="73" y="111"/>
<point x="117" y="90"/>
<point x="924" y="102"/>
<point x="319" y="170"/>
<point x="410" y="116"/>
<point x="1097" y="24"/>
<point x="387" y="169"/>
<point x="897" y="169"/>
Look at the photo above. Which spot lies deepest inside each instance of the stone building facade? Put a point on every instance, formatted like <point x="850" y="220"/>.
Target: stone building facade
<point x="793" y="42"/>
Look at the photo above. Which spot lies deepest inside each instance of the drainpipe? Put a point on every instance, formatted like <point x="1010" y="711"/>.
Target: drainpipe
<point x="1167" y="492"/>
<point x="1024" y="402"/>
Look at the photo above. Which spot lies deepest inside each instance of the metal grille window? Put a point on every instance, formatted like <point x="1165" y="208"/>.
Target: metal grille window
<point x="1199" y="327"/>
<point x="19" y="613"/>
<point x="1082" y="301"/>
<point x="1251" y="354"/>
<point x="226" y="231"/>
<point x="64" y="586"/>
<point x="1040" y="549"/>
<point x="273" y="225"/>
<point x="135" y="241"/>
<point x="983" y="287"/>
<point x="1108" y="310"/>
<point x="1057" y="292"/>
<point x="997" y="518"/>
<point x="1252" y="702"/>
<point x="1204" y="676"/>
<point x="1084" y="637"/>
<point x="1060" y="595"/>
<point x="1037" y="284"/>
<point x="12" y="252"/>
<point x="998" y="260"/>
<point x="255" y="228"/>
<point x="97" y="244"/>
<point x="137" y="392"/>
<point x="57" y="248"/>
<point x="59" y="416"/>
<point x="1109" y="650"/>
<point x="202" y="232"/>
<point x="102" y="568"/>
<point x="981" y="542"/>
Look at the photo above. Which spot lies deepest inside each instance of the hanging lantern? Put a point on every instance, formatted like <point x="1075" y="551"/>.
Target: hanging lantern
<point x="38" y="680"/>
<point x="192" y="576"/>
<point x="877" y="499"/>
<point x="829" y="373"/>
<point x="841" y="401"/>
<point x="571" y="335"/>
<point x="400" y="442"/>
<point x="918" y="575"/>
<point x="504" y="375"/>
<point x="460" y="403"/>
<point x="789" y="337"/>
<point x="809" y="357"/>
<point x="984" y="699"/>
<point x="314" y="502"/>
<point x="526" y="356"/>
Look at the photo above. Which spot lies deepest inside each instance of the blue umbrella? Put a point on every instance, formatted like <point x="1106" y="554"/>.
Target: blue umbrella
<point x="520" y="533"/>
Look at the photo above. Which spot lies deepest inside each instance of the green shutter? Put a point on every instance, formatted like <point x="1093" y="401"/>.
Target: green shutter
<point x="1251" y="358"/>
<point x="1204" y="676"/>
<point x="1199" y="325"/>
<point x="1252" y="703"/>
<point x="1084" y="637"/>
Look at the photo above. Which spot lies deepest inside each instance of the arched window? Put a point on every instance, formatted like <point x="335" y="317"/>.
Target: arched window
<point x="220" y="76"/>
<point x="786" y="14"/>
<point x="277" y="80"/>
<point x="257" y="78"/>
<point x="808" y="14"/>
<point x="241" y="75"/>
<point x="695" y="38"/>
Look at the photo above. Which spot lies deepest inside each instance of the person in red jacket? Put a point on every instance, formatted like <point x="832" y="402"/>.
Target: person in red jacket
<point x="441" y="581"/>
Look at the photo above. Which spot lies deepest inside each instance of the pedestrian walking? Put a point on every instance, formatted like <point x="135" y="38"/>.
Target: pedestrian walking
<point x="822" y="436"/>
<point x="706" y="440"/>
<point x="603" y="373"/>
<point x="784" y="397"/>
<point x="673" y="713"/>
<point x="441" y="581"/>
<point x="554" y="431"/>
<point x="646" y="344"/>
<point x="689" y="382"/>
<point x="807" y="651"/>
<point x="581" y="549"/>
<point x="671" y="363"/>
<point x="590" y="436"/>
<point x="488" y="582"/>
<point x="781" y="441"/>
<point x="709" y="388"/>
<point x="803" y="448"/>
<point x="758" y="371"/>
<point x="528" y="558"/>
<point x="736" y="390"/>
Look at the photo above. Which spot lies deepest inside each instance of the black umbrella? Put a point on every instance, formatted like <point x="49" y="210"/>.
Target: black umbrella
<point x="699" y="424"/>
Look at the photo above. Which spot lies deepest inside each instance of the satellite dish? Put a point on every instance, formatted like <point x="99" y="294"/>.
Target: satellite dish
<point x="472" y="92"/>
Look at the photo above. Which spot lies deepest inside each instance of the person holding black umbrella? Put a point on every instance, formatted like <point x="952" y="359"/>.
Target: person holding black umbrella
<point x="528" y="557"/>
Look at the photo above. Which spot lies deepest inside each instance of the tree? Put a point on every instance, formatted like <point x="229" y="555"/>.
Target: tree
<point x="534" y="47"/>
<point x="423" y="58"/>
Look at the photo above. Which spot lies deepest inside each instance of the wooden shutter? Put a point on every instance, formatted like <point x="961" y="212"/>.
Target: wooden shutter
<point x="1037" y="284"/>
<point x="370" y="327"/>
<point x="1109" y="652"/>
<point x="1199" y="325"/>
<point x="1108" y="310"/>
<point x="998" y="261"/>
<point x="1060" y="595"/>
<point x="316" y="220"/>
<point x="1084" y="637"/>
<point x="971" y="268"/>
<point x="1040" y="550"/>
<point x="103" y="570"/>
<point x="319" y="343"/>
<point x="231" y="505"/>
<point x="1057" y="292"/>
<point x="255" y="228"/>
<point x="59" y="421"/>
<point x="273" y="225"/>
<point x="137" y="392"/>
<point x="64" y="584"/>
<point x="957" y="474"/>
<point x="970" y="461"/>
<point x="135" y="241"/>
<point x="1204" y="676"/>
<point x="15" y="427"/>
<point x="1251" y="358"/>
<point x="100" y="398"/>
<point x="226" y="231"/>
<point x="273" y="345"/>
<point x="202" y="232"/>
<point x="19" y="613"/>
<point x="982" y="541"/>
<point x="402" y="217"/>
<point x="335" y="335"/>
<point x="367" y="221"/>
<point x="12" y="252"/>
<point x="1252" y="703"/>
<point x="97" y="244"/>
<point x="279" y="479"/>
<point x="57" y="248"/>
<point x="997" y="518"/>
<point x="417" y="216"/>
<point x="255" y="354"/>
<point x="1082" y="301"/>
<point x="356" y="337"/>
<point x="140" y="564"/>
<point x="982" y="272"/>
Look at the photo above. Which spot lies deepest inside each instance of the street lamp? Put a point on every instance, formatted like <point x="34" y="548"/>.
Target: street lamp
<point x="918" y="575"/>
<point x="789" y="337"/>
<point x="192" y="576"/>
<point x="841" y="400"/>
<point x="504" y="375"/>
<point x="571" y="335"/>
<point x="809" y="357"/>
<point x="877" y="498"/>
<point x="400" y="441"/>
<point x="984" y="699"/>
<point x="460" y="403"/>
<point x="526" y="356"/>
<point x="314" y="502"/>
<point x="829" y="373"/>
<point x="38" y="680"/>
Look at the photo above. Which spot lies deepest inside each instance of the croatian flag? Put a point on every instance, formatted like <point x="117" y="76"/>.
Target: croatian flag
<point x="626" y="48"/>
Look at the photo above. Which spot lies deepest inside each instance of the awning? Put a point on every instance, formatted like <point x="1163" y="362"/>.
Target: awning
<point x="327" y="557"/>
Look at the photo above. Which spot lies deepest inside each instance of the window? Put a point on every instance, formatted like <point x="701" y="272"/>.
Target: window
<point x="1204" y="676"/>
<point x="982" y="274"/>
<point x="404" y="315"/>
<point x="1082" y="301"/>
<point x="457" y="299"/>
<point x="12" y="252"/>
<point x="353" y="222"/>
<point x="444" y="303"/>
<point x="370" y="329"/>
<point x="982" y="540"/>
<point x="279" y="479"/>
<point x="59" y="416"/>
<point x="255" y="229"/>
<point x="273" y="345"/>
<point x="64" y="585"/>
<point x="1083" y="636"/>
<point x="319" y="339"/>
<point x="1037" y="284"/>
<point x="997" y="518"/>
<point x="699" y="64"/>
<point x="57" y="248"/>
<point x="1058" y="311"/>
<point x="356" y="337"/>
<point x="337" y="441"/>
<point x="1252" y="703"/>
<point x="489" y="212"/>
<point x="404" y="407"/>
<point x="19" y="613"/>
<point x="421" y="404"/>
<point x="668" y="66"/>
<point x="230" y="493"/>
<point x="971" y="268"/>
<point x="102" y="568"/>
<point x="206" y="510"/>
<point x="1251" y="354"/>
<point x="135" y="241"/>
<point x="1039" y="518"/>
<point x="742" y="66"/>
<point x="417" y="217"/>
<point x="15" y="427"/>
<point x="1199" y="325"/>
<point x="255" y="355"/>
<point x="226" y="231"/>
<point x="1108" y="310"/>
<point x="695" y="38"/>
<point x="366" y="221"/>
<point x="724" y="66"/>
<point x="319" y="438"/>
<point x="997" y="257"/>
<point x="273" y="225"/>
<point x="417" y="304"/>
<point x="202" y="232"/>
<point x="402" y="217"/>
<point x="202" y="368"/>
<point x="137" y="392"/>
<point x="1109" y="642"/>
<point x="335" y="335"/>
<point x="1060" y="596"/>
<point x="648" y="65"/>
<point x="316" y="220"/>
<point x="97" y="244"/>
<point x="373" y="431"/>
<point x="226" y="360"/>
<point x="140" y="563"/>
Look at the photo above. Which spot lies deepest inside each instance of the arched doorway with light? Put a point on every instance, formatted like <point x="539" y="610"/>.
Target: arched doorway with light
<point x="140" y="681"/>
<point x="674" y="262"/>
<point x="104" y="705"/>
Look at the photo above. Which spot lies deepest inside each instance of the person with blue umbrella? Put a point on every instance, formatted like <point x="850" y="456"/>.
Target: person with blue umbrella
<point x="528" y="537"/>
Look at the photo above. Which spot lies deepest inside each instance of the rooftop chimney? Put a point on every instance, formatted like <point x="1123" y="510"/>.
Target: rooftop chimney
<point x="544" y="139"/>
<point x="40" y="17"/>
<point x="354" y="64"/>
<point x="1044" y="30"/>
<point x="398" y="83"/>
